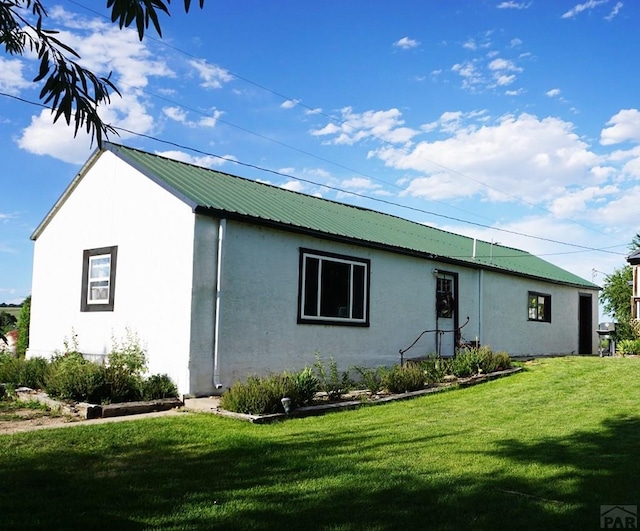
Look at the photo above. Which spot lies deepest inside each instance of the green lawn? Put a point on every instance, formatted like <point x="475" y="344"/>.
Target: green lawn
<point x="542" y="449"/>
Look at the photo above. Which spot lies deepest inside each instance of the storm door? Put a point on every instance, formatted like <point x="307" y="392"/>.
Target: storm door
<point x="446" y="313"/>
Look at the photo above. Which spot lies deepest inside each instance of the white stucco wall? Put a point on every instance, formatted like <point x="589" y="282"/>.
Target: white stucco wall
<point x="506" y="321"/>
<point x="259" y="330"/>
<point x="115" y="205"/>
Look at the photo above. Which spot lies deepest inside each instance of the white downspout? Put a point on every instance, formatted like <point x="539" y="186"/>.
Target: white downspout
<point x="222" y="227"/>
<point x="480" y="303"/>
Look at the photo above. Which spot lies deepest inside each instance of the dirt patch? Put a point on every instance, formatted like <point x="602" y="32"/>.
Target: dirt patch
<point x="25" y="419"/>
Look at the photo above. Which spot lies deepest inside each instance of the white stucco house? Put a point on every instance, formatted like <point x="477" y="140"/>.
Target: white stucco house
<point x="222" y="277"/>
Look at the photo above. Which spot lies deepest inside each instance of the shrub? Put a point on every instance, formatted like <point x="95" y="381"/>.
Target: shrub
<point x="435" y="368"/>
<point x="158" y="386"/>
<point x="626" y="347"/>
<point x="34" y="373"/>
<point x="372" y="378"/>
<point x="9" y="369"/>
<point x="403" y="378"/>
<point x="331" y="382"/>
<point x="24" y="320"/>
<point x="20" y="372"/>
<point x="467" y="362"/>
<point x="306" y="385"/>
<point x="259" y="395"/>
<point x="126" y="364"/>
<point x="71" y="377"/>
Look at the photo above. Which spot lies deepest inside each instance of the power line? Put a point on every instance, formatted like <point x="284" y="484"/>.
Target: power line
<point x="364" y="196"/>
<point x="341" y="190"/>
<point x="335" y="120"/>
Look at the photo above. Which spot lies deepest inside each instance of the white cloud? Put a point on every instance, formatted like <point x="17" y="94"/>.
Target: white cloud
<point x="204" y="161"/>
<point x="406" y="43"/>
<point x="212" y="76"/>
<point x="504" y="64"/>
<point x="289" y="104"/>
<point x="11" y="78"/>
<point x="179" y="115"/>
<point x="579" y="8"/>
<point x="513" y="5"/>
<point x="43" y="137"/>
<point x="516" y="156"/>
<point x="575" y="203"/>
<point x="503" y="79"/>
<point x="294" y="186"/>
<point x="614" y="12"/>
<point x="470" y="45"/>
<point x="515" y="42"/>
<point x="470" y="74"/>
<point x="517" y="92"/>
<point x="104" y="48"/>
<point x="623" y="127"/>
<point x="354" y="127"/>
<point x="553" y="93"/>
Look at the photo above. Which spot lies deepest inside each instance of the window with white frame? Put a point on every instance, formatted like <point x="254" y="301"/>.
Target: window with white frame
<point x="98" y="279"/>
<point x="539" y="307"/>
<point x="333" y="289"/>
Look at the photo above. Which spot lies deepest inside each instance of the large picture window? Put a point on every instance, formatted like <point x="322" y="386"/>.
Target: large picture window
<point x="539" y="307"/>
<point x="98" y="279"/>
<point x="333" y="289"/>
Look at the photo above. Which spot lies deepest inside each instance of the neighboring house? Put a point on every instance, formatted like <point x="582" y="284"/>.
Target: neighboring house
<point x="222" y="277"/>
<point x="634" y="261"/>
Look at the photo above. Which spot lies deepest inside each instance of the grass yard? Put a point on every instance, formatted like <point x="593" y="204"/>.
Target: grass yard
<point x="542" y="449"/>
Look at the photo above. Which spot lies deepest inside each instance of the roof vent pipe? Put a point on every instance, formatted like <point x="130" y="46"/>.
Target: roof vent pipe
<point x="474" y="248"/>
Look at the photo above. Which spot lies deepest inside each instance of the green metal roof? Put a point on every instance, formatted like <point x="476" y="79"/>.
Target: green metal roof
<point x="218" y="193"/>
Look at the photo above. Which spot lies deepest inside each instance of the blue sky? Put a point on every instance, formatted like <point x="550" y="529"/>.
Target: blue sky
<point x="511" y="121"/>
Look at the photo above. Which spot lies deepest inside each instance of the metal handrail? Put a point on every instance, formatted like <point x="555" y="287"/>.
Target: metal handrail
<point x="441" y="332"/>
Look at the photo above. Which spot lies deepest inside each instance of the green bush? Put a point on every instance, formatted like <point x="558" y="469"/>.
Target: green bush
<point x="126" y="364"/>
<point x="306" y="385"/>
<point x="332" y="382"/>
<point x="628" y="347"/>
<point x="467" y="362"/>
<point x="71" y="377"/>
<point x="403" y="378"/>
<point x="9" y="369"/>
<point x="436" y="368"/>
<point x="472" y="361"/>
<point x="20" y="372"/>
<point x="372" y="379"/>
<point x="259" y="395"/>
<point x="34" y="373"/>
<point x="158" y="386"/>
<point x="24" y="320"/>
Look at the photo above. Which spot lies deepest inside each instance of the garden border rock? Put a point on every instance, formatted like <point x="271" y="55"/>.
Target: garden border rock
<point x="88" y="411"/>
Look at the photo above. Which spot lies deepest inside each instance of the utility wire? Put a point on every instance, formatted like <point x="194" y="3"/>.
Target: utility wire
<point x="333" y="119"/>
<point x="364" y="196"/>
<point x="336" y="188"/>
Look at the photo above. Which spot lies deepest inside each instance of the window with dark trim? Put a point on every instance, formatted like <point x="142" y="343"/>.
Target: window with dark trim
<point x="98" y="279"/>
<point x="333" y="289"/>
<point x="539" y="307"/>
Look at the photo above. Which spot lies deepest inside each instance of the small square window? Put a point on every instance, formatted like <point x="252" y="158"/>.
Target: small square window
<point x="98" y="279"/>
<point x="333" y="289"/>
<point x="539" y="307"/>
